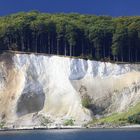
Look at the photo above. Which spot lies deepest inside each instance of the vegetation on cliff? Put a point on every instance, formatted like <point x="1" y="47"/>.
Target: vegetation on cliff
<point x="89" y="36"/>
<point x="130" y="116"/>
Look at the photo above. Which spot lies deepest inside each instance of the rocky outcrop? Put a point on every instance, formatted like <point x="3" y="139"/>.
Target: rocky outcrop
<point x="40" y="89"/>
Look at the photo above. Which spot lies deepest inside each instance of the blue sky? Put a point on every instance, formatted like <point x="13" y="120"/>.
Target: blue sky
<point x="97" y="7"/>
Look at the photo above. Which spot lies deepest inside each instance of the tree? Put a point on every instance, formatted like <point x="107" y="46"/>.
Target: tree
<point x="97" y="37"/>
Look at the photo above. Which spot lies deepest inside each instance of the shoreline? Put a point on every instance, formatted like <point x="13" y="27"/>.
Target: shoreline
<point x="70" y="127"/>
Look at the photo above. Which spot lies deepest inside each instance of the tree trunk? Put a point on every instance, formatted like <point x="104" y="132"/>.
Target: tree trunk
<point x="57" y="47"/>
<point x="49" y="46"/>
<point x="36" y="43"/>
<point x="65" y="48"/>
<point x="22" y="43"/>
<point x="82" y="48"/>
<point x="70" y="50"/>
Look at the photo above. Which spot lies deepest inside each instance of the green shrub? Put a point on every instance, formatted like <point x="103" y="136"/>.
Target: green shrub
<point x="45" y="121"/>
<point x="69" y="122"/>
<point x="2" y="124"/>
<point x="86" y="101"/>
<point x="134" y="118"/>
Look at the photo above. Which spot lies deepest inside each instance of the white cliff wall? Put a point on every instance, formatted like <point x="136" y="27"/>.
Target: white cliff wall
<point x="32" y="86"/>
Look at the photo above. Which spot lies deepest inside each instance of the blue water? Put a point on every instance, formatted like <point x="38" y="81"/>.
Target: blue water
<point x="84" y="134"/>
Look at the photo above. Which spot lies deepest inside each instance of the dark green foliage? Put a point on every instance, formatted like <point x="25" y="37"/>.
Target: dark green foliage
<point x="135" y="119"/>
<point x="69" y="122"/>
<point x="86" y="101"/>
<point x="98" y="37"/>
<point x="2" y="125"/>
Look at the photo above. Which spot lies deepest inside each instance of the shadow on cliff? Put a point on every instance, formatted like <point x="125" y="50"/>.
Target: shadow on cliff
<point x="30" y="101"/>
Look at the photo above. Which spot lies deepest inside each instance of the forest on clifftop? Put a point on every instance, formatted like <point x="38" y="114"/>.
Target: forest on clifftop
<point x="86" y="36"/>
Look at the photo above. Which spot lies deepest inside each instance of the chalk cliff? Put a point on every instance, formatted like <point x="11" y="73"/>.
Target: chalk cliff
<point x="39" y="89"/>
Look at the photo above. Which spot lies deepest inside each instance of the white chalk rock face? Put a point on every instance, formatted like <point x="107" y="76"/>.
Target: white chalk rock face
<point x="36" y="88"/>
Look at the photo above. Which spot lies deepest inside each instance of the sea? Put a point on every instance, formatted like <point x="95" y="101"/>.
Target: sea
<point x="72" y="134"/>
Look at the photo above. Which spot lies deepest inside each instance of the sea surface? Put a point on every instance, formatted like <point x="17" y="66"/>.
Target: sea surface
<point x="72" y="134"/>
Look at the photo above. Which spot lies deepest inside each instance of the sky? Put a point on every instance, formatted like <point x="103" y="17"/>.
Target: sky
<point x="96" y="7"/>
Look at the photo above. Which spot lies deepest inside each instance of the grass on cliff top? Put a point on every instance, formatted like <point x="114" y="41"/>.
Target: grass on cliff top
<point x="119" y="118"/>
